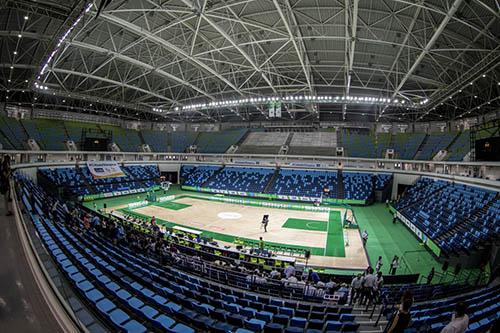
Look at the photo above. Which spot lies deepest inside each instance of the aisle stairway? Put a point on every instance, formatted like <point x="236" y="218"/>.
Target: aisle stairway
<point x="271" y="181"/>
<point x="340" y="185"/>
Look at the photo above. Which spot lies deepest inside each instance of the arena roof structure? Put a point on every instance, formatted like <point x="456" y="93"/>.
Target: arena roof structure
<point x="209" y="60"/>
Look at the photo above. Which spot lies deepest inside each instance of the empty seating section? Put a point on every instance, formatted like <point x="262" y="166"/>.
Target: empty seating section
<point x="197" y="176"/>
<point x="304" y="183"/>
<point x="81" y="182"/>
<point x="358" y="186"/>
<point x="69" y="177"/>
<point x="180" y="141"/>
<point x="358" y="143"/>
<point x="126" y="139"/>
<point x="52" y="134"/>
<point x="424" y="292"/>
<point x="32" y="130"/>
<point x="435" y="142"/>
<point x="313" y="143"/>
<point x="218" y="142"/>
<point x="293" y="182"/>
<point x="483" y="307"/>
<point x="14" y="135"/>
<point x="241" y="179"/>
<point x="441" y="209"/>
<point x="74" y="131"/>
<point x="382" y="180"/>
<point x="157" y="140"/>
<point x="406" y="145"/>
<point x="459" y="148"/>
<point x="382" y="143"/>
<point x="134" y="293"/>
<point x="263" y="143"/>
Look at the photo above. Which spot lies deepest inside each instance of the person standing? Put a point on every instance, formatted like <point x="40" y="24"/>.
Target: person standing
<point x="459" y="320"/>
<point x="356" y="287"/>
<point x="364" y="236"/>
<point x="379" y="264"/>
<point x="394" y="265"/>
<point x="368" y="287"/>
<point x="402" y="318"/>
<point x="430" y="276"/>
<point x="5" y="172"/>
<point x="265" y="223"/>
<point x="377" y="289"/>
<point x="261" y="245"/>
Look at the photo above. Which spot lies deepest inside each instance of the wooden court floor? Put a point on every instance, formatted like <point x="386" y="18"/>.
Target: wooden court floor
<point x="245" y="221"/>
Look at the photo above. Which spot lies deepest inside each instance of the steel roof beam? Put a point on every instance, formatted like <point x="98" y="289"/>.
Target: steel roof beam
<point x="304" y="60"/>
<point x="138" y="63"/>
<point x="117" y="83"/>
<point x="451" y="11"/>
<point x="167" y="45"/>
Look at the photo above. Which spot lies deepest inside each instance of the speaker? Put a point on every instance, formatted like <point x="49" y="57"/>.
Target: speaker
<point x="307" y="254"/>
<point x="105" y="205"/>
<point x="446" y="264"/>
<point x="458" y="267"/>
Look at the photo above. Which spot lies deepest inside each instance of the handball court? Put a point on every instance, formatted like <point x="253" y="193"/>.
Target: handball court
<point x="320" y="232"/>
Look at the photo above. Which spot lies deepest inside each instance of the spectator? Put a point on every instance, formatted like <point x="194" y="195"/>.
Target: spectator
<point x="379" y="283"/>
<point x="5" y="172"/>
<point x="275" y="275"/>
<point x="402" y="318"/>
<point x="96" y="222"/>
<point x="86" y="222"/>
<point x="320" y="291"/>
<point x="368" y="287"/>
<point x="459" y="320"/>
<point x="260" y="279"/>
<point x="300" y="283"/>
<point x="309" y="290"/>
<point x="313" y="276"/>
<point x="331" y="286"/>
<point x="356" y="288"/>
<point x="292" y="281"/>
<point x="289" y="271"/>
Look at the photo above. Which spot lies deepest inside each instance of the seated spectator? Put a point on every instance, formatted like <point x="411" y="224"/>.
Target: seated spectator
<point x="459" y="320"/>
<point x="313" y="276"/>
<point x="330" y="286"/>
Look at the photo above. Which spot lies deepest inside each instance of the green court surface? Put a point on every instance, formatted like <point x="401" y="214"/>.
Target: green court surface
<point x="335" y="236"/>
<point x="293" y="223"/>
<point x="387" y="239"/>
<point x="172" y="205"/>
<point x="332" y="227"/>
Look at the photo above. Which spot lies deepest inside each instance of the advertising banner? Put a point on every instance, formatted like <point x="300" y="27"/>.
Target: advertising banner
<point x="420" y="235"/>
<point x="106" y="169"/>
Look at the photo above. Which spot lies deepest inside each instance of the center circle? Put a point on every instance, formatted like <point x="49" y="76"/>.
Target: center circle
<point x="229" y="215"/>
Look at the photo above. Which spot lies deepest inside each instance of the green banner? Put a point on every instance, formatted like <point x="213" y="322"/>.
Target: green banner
<point x="433" y="247"/>
<point x="92" y="197"/>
